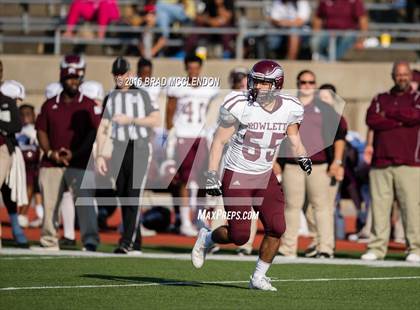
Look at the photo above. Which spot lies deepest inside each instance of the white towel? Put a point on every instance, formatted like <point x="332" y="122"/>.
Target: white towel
<point x="16" y="180"/>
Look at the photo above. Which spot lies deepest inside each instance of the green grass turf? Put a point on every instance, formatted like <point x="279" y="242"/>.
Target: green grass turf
<point x="15" y="272"/>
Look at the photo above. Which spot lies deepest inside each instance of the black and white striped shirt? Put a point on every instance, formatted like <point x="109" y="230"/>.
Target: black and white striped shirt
<point x="133" y="103"/>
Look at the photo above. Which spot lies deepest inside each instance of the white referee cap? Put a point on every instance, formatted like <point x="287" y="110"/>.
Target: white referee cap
<point x="13" y="89"/>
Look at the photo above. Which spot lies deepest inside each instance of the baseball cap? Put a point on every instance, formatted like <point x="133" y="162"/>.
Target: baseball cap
<point x="120" y="66"/>
<point x="72" y="66"/>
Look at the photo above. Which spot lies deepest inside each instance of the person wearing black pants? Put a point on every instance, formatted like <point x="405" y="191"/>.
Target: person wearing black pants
<point x="127" y="120"/>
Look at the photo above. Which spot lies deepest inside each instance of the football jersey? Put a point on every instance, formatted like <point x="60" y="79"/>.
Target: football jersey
<point x="153" y="92"/>
<point x="260" y="132"/>
<point x="191" y="109"/>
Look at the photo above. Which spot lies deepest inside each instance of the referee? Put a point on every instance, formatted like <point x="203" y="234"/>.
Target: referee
<point x="128" y="118"/>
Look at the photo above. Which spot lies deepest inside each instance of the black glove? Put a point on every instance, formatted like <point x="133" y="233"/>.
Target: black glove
<point x="305" y="164"/>
<point x="213" y="184"/>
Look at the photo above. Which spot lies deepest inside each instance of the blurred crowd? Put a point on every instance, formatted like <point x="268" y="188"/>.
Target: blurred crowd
<point x="86" y="153"/>
<point x="294" y="16"/>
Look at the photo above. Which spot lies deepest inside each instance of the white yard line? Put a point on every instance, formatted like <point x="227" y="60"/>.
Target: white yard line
<point x="183" y="283"/>
<point x="27" y="254"/>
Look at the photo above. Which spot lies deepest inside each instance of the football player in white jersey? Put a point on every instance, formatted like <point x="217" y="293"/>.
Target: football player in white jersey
<point x="186" y="113"/>
<point x="254" y="123"/>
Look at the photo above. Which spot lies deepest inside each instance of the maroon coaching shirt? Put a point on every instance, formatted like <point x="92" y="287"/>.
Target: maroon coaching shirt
<point x="397" y="134"/>
<point x="68" y="125"/>
<point x="340" y="14"/>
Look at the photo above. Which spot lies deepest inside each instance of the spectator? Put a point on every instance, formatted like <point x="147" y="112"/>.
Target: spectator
<point x="338" y="15"/>
<point x="238" y="79"/>
<point x="328" y="94"/>
<point x="104" y="11"/>
<point x="66" y="130"/>
<point x="289" y="14"/>
<point x="394" y="117"/>
<point x="28" y="143"/>
<point x="9" y="125"/>
<point x="321" y="127"/>
<point x="412" y="11"/>
<point x="129" y="115"/>
<point x="216" y="14"/>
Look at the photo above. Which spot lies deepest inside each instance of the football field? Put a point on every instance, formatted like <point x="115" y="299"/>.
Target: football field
<point x="168" y="281"/>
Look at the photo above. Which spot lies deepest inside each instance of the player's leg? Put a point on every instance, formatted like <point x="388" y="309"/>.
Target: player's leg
<point x="271" y="213"/>
<point x="197" y="181"/>
<point x="186" y="153"/>
<point x="237" y="231"/>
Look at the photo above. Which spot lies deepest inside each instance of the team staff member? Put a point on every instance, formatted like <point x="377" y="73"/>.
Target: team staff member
<point x="321" y="127"/>
<point x="66" y="129"/>
<point x="131" y="115"/>
<point x="394" y="117"/>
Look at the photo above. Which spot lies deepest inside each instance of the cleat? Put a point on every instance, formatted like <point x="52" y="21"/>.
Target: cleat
<point x="199" y="251"/>
<point x="263" y="283"/>
<point x="413" y="258"/>
<point x="188" y="230"/>
<point x="369" y="256"/>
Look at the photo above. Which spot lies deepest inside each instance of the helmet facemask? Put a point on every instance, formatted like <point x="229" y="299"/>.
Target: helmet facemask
<point x="261" y="96"/>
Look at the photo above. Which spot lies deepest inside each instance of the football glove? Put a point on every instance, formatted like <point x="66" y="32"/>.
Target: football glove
<point x="305" y="164"/>
<point x="213" y="184"/>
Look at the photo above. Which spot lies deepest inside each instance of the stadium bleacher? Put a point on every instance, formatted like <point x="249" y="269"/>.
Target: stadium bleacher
<point x="35" y="26"/>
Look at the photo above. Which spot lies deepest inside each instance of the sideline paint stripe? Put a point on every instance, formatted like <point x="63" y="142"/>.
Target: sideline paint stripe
<point x="31" y="254"/>
<point x="197" y="283"/>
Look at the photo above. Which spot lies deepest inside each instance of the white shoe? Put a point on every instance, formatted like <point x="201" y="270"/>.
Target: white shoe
<point x="413" y="258"/>
<point x="45" y="248"/>
<point x="199" y="251"/>
<point x="134" y="253"/>
<point x="23" y="221"/>
<point x="188" y="230"/>
<point x="35" y="223"/>
<point x="147" y="232"/>
<point x="263" y="283"/>
<point x="369" y="256"/>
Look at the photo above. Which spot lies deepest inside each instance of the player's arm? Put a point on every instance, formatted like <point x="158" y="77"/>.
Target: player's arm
<point x="222" y="136"/>
<point x="170" y="112"/>
<point x="298" y="150"/>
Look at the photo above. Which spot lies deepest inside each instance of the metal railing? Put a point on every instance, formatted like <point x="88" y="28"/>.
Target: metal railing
<point x="241" y="32"/>
<point x="245" y="29"/>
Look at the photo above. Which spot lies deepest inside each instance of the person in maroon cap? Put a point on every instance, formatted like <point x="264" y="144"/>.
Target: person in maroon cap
<point x="338" y="15"/>
<point x="66" y="130"/>
<point x="394" y="117"/>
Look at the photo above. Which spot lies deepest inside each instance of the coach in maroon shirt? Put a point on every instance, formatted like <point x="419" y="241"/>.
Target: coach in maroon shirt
<point x="394" y="117"/>
<point x="339" y="15"/>
<point x="66" y="130"/>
